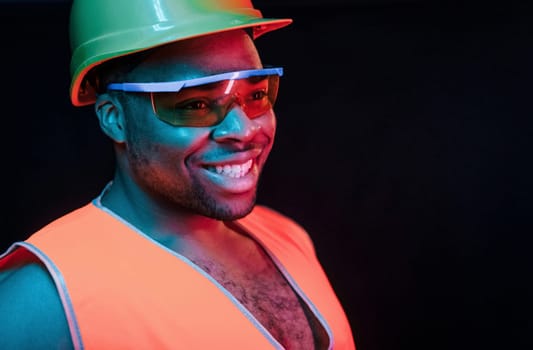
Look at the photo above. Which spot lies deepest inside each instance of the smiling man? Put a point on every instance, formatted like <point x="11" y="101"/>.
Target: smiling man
<point x="174" y="253"/>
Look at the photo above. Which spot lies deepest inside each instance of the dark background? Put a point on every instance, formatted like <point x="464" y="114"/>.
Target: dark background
<point x="403" y="147"/>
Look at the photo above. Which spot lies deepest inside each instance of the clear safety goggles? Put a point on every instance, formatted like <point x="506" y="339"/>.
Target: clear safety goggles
<point x="205" y="101"/>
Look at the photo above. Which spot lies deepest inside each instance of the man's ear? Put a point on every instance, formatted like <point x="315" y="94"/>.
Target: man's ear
<point x="111" y="117"/>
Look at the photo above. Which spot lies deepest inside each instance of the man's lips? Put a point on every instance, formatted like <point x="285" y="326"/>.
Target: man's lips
<point x="235" y="176"/>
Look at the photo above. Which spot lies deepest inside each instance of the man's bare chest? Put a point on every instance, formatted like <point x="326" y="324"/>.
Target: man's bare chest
<point x="267" y="295"/>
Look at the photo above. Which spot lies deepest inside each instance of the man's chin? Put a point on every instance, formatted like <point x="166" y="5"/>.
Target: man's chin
<point x="232" y="213"/>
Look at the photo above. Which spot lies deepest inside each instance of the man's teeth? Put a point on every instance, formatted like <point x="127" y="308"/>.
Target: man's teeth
<point x="235" y="170"/>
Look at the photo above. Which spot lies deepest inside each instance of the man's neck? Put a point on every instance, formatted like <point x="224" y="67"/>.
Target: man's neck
<point x="179" y="230"/>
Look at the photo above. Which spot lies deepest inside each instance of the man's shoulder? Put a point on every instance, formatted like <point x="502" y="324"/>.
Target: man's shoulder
<point x="281" y="225"/>
<point x="31" y="313"/>
<point x="33" y="276"/>
<point x="82" y="221"/>
<point x="74" y="218"/>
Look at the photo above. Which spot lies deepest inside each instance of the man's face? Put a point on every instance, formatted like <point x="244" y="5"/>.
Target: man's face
<point x="211" y="171"/>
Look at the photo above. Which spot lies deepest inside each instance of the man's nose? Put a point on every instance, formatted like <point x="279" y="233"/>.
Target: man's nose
<point x="236" y="125"/>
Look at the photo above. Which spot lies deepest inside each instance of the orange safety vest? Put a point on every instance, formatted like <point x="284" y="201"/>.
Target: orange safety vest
<point x="122" y="290"/>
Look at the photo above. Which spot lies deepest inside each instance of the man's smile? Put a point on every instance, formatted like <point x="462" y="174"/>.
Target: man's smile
<point x="233" y="170"/>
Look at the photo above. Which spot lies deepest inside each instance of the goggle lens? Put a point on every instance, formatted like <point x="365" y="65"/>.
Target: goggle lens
<point x="208" y="104"/>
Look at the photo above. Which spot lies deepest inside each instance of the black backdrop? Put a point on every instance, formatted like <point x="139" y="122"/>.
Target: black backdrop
<point x="403" y="147"/>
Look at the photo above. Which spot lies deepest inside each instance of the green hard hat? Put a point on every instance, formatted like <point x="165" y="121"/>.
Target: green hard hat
<point x="101" y="30"/>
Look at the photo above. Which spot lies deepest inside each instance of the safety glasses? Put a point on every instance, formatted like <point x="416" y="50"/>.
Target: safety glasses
<point x="205" y="101"/>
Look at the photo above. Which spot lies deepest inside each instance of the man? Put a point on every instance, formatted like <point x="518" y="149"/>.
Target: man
<point x="174" y="253"/>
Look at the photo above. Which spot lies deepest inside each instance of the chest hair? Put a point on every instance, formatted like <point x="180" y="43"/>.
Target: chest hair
<point x="270" y="299"/>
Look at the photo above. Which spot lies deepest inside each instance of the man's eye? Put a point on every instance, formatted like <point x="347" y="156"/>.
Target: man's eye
<point x="258" y="95"/>
<point x="193" y="105"/>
